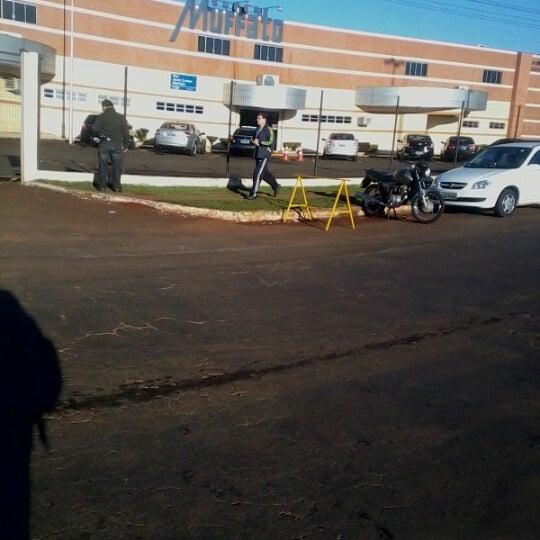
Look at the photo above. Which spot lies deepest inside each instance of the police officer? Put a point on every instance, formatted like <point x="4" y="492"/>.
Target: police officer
<point x="113" y="131"/>
<point x="263" y="141"/>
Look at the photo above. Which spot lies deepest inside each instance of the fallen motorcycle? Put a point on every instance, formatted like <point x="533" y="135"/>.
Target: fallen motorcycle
<point x="412" y="185"/>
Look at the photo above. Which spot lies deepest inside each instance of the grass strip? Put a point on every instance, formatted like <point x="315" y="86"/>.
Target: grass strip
<point x="216" y="198"/>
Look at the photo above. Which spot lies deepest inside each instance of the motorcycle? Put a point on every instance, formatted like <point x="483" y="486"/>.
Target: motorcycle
<point x="412" y="185"/>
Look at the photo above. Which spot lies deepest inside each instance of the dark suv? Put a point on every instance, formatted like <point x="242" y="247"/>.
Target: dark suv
<point x="240" y="143"/>
<point x="466" y="148"/>
<point x="415" y="146"/>
<point x="87" y="135"/>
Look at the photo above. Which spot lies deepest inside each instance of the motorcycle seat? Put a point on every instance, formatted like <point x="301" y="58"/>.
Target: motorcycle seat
<point x="380" y="176"/>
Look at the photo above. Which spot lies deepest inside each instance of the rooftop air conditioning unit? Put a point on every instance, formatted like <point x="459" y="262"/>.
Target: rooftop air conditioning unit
<point x="363" y="121"/>
<point x="267" y="80"/>
<point x="13" y="85"/>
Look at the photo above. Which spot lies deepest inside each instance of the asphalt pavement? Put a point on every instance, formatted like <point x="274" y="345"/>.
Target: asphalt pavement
<point x="55" y="155"/>
<point x="233" y="381"/>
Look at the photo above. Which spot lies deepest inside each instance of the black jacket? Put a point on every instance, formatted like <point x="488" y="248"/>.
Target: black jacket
<point x="266" y="141"/>
<point x="112" y="125"/>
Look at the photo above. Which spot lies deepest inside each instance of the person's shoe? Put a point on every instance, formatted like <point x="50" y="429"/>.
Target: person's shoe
<point x="119" y="190"/>
<point x="276" y="190"/>
<point x="97" y="187"/>
<point x="251" y="197"/>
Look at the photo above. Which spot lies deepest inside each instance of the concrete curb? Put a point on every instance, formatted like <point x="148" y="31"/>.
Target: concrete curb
<point x="255" y="216"/>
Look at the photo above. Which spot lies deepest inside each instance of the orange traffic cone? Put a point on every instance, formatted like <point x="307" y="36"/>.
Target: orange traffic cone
<point x="285" y="154"/>
<point x="300" y="154"/>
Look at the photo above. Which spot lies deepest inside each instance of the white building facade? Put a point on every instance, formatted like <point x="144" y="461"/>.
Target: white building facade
<point x="215" y="63"/>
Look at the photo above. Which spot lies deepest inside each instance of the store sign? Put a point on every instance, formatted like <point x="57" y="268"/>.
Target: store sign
<point x="238" y="18"/>
<point x="183" y="82"/>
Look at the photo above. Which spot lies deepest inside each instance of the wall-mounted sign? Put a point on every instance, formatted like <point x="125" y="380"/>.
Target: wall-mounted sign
<point x="183" y="82"/>
<point x="230" y="18"/>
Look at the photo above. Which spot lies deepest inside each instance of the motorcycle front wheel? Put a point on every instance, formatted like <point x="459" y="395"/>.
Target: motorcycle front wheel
<point x="427" y="209"/>
<point x="373" y="209"/>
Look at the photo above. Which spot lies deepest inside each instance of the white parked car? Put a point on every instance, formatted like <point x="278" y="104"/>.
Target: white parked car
<point x="341" y="145"/>
<point x="499" y="178"/>
<point x="179" y="136"/>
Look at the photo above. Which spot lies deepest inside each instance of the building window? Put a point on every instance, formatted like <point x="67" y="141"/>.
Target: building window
<point x="116" y="100"/>
<point x="331" y="119"/>
<point x="57" y="93"/>
<point x="470" y="123"/>
<point x="268" y="53"/>
<point x="18" y="11"/>
<point x="214" y="45"/>
<point x="497" y="125"/>
<point x="416" y="69"/>
<point x="179" y="107"/>
<point x="493" y="77"/>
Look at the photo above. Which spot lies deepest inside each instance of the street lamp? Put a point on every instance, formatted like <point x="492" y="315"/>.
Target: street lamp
<point x="241" y="7"/>
<point x="245" y="6"/>
<point x="261" y="10"/>
<point x="71" y="60"/>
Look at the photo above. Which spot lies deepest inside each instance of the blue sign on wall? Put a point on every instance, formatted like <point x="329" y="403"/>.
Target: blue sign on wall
<point x="183" y="82"/>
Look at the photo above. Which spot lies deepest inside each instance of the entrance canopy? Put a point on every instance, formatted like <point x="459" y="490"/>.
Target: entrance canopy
<point x="10" y="56"/>
<point x="418" y="99"/>
<point x="264" y="97"/>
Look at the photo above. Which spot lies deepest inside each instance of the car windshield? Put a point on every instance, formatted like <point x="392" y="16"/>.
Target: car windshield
<point x="248" y="132"/>
<point x="418" y="138"/>
<point x="462" y="140"/>
<point x="181" y="127"/>
<point x="342" y="136"/>
<point x="499" y="157"/>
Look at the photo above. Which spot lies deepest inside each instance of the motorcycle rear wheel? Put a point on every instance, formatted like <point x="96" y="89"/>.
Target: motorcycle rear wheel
<point x="372" y="209"/>
<point x="430" y="212"/>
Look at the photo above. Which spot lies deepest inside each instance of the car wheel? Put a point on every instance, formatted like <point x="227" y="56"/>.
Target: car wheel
<point x="506" y="203"/>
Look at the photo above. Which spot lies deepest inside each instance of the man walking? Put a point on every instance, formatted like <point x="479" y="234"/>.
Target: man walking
<point x="113" y="131"/>
<point x="263" y="141"/>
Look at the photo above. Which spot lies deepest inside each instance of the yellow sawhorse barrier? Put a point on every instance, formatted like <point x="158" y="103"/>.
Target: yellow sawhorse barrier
<point x="299" y="185"/>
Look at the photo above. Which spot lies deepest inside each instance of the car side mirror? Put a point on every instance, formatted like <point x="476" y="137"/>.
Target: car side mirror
<point x="202" y="133"/>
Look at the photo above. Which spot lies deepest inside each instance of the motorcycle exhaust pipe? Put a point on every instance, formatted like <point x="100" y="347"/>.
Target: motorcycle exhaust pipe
<point x="368" y="198"/>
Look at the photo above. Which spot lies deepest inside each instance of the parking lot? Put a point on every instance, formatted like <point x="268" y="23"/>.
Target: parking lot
<point x="61" y="156"/>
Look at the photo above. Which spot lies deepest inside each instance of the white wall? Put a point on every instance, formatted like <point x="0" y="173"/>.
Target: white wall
<point x="95" y="79"/>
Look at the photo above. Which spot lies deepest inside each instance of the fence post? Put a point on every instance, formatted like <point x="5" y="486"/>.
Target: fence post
<point x="29" y="115"/>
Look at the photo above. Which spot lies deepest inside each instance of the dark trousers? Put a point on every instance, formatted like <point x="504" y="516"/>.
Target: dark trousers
<point x="108" y="152"/>
<point x="261" y="172"/>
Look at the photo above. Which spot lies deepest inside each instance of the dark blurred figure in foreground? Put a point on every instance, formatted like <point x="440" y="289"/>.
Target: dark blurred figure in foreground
<point x="30" y="383"/>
